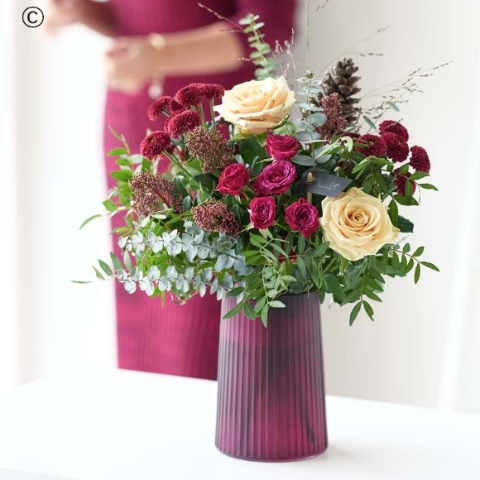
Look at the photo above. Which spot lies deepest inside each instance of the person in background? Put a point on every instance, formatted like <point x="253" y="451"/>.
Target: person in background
<point x="159" y="47"/>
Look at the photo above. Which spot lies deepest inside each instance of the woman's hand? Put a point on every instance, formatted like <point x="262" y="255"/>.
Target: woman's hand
<point x="132" y="63"/>
<point x="62" y="13"/>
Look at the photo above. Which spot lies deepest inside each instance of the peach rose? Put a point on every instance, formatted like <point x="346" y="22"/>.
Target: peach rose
<point x="257" y="106"/>
<point x="356" y="224"/>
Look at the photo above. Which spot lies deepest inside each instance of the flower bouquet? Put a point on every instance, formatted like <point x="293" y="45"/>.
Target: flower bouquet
<point x="270" y="202"/>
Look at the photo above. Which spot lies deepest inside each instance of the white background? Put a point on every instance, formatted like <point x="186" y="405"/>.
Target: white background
<point x="423" y="347"/>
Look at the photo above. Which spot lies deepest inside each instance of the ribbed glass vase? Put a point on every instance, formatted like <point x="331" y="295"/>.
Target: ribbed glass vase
<point x="271" y="400"/>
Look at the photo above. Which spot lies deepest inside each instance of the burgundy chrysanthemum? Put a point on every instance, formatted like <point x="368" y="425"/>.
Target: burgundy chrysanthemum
<point x="158" y="106"/>
<point x="155" y="144"/>
<point x="419" y="159"/>
<point x="215" y="216"/>
<point x="212" y="90"/>
<point x="372" y="145"/>
<point x="189" y="96"/>
<point x="175" y="107"/>
<point x="397" y="128"/>
<point x="401" y="180"/>
<point x="182" y="123"/>
<point x="397" y="149"/>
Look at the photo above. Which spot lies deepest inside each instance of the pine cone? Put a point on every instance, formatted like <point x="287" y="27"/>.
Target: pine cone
<point x="341" y="79"/>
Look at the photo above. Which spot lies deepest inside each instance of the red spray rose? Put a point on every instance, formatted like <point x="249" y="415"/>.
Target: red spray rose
<point x="233" y="179"/>
<point x="262" y="212"/>
<point x="276" y="178"/>
<point x="302" y="217"/>
<point x="281" y="147"/>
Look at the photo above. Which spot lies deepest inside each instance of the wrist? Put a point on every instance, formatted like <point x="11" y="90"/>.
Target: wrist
<point x="159" y="52"/>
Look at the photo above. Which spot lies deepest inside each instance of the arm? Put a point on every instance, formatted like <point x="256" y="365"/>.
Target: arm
<point x="97" y="16"/>
<point x="134" y="61"/>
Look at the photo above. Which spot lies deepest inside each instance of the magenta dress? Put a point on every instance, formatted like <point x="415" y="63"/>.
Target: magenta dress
<point x="176" y="339"/>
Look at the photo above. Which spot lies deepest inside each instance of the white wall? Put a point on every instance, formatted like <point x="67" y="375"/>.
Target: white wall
<point x="423" y="347"/>
<point x="60" y="182"/>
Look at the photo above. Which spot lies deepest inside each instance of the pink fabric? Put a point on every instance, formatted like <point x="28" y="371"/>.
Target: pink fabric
<point x="178" y="340"/>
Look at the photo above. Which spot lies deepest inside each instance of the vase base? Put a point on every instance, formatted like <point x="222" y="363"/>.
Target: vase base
<point x="281" y="460"/>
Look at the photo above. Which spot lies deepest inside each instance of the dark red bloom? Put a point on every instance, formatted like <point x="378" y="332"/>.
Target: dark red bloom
<point x="159" y="106"/>
<point x="281" y="147"/>
<point x="262" y="212"/>
<point x="275" y="178"/>
<point x="233" y="179"/>
<point x="371" y="145"/>
<point x="182" y="123"/>
<point x="189" y="96"/>
<point x="397" y="149"/>
<point x="155" y="144"/>
<point x="401" y="181"/>
<point x="397" y="128"/>
<point x="419" y="159"/>
<point x="302" y="217"/>
<point x="176" y="107"/>
<point x="212" y="90"/>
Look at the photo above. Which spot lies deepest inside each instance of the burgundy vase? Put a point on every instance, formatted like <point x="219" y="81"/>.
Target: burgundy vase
<point x="271" y="400"/>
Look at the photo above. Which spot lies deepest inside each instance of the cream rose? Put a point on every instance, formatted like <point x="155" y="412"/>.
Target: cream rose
<point x="256" y="106"/>
<point x="356" y="224"/>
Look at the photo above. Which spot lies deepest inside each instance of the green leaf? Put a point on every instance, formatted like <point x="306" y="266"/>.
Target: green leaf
<point x="235" y="291"/>
<point x="354" y="312"/>
<point x="116" y="152"/>
<point x="408" y="189"/>
<point x="393" y="212"/>
<point x="405" y="201"/>
<point x="248" y="311"/>
<point x="393" y="106"/>
<point x="122" y="175"/>
<point x="110" y="206"/>
<point x="80" y="282"/>
<point x="88" y="220"/>
<point x="428" y="186"/>
<point x="127" y="260"/>
<point x="418" y="251"/>
<point x="315" y="272"/>
<point x="234" y="311"/>
<point x="264" y="315"/>
<point x="368" y="308"/>
<point x="369" y="123"/>
<point x="106" y="268"/>
<point x="301" y="244"/>
<point x="406" y="248"/>
<point x="417" y="273"/>
<point x="332" y="285"/>
<point x="98" y="274"/>
<point x="259" y="305"/>
<point x="405" y="225"/>
<point x="117" y="265"/>
<point x="372" y="296"/>
<point x="304" y="160"/>
<point x="318" y="119"/>
<point x="430" y="265"/>
<point x="418" y="176"/>
<point x="302" y="267"/>
<point x="277" y="304"/>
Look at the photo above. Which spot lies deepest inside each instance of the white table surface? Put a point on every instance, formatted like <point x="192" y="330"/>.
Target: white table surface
<point x="127" y="425"/>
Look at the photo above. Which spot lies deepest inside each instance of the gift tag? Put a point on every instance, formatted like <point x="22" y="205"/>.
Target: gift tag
<point x="322" y="183"/>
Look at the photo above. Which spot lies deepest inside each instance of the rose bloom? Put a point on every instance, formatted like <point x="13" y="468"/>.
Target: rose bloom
<point x="281" y="147"/>
<point x="275" y="178"/>
<point x="262" y="212"/>
<point x="233" y="179"/>
<point x="302" y="217"/>
<point x="356" y="224"/>
<point x="256" y="106"/>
